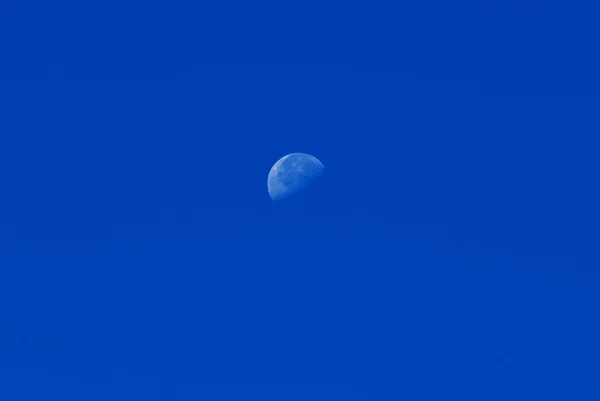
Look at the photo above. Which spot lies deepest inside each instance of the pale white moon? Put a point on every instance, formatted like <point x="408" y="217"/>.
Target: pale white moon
<point x="292" y="173"/>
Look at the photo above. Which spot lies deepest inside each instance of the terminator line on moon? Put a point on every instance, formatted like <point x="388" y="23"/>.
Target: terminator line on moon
<point x="292" y="173"/>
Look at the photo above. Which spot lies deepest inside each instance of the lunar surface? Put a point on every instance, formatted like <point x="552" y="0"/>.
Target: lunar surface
<point x="293" y="173"/>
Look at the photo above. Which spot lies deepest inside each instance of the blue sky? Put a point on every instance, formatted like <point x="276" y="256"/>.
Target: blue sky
<point x="450" y="254"/>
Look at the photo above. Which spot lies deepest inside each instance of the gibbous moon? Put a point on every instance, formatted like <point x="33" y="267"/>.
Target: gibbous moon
<point x="292" y="173"/>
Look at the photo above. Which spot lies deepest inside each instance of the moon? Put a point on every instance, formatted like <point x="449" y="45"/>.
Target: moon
<point x="292" y="173"/>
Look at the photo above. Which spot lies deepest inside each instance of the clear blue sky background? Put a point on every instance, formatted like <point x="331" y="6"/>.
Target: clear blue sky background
<point x="450" y="254"/>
